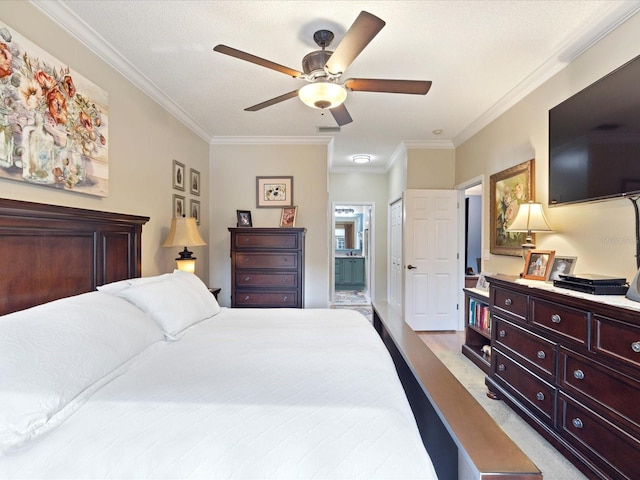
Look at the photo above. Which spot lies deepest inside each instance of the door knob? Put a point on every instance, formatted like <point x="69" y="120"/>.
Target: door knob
<point x="411" y="267"/>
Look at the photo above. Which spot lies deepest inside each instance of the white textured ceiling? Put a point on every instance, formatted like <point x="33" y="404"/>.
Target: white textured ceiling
<point x="482" y="57"/>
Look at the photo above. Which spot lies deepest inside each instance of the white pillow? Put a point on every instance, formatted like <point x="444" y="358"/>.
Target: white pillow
<point x="52" y="355"/>
<point x="175" y="303"/>
<point x="114" y="287"/>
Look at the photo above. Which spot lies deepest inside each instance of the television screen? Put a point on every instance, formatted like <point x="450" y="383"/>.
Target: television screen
<point x="594" y="140"/>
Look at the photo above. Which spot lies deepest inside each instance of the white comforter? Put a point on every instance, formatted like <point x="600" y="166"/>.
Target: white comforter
<point x="247" y="394"/>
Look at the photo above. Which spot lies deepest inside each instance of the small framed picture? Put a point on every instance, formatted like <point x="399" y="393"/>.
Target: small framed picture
<point x="244" y="218"/>
<point x="178" y="175"/>
<point x="179" y="208"/>
<point x="562" y="266"/>
<point x="195" y="210"/>
<point x="538" y="264"/>
<point x="288" y="217"/>
<point x="482" y="283"/>
<point x="274" y="192"/>
<point x="194" y="182"/>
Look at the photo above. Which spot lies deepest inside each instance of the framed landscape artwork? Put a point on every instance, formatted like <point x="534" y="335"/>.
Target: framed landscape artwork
<point x="508" y="189"/>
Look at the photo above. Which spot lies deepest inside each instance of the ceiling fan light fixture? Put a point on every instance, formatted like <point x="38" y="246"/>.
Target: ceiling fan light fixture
<point x="322" y="95"/>
<point x="361" y="158"/>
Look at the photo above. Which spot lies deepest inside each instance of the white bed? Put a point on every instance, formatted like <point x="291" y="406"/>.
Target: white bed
<point x="150" y="378"/>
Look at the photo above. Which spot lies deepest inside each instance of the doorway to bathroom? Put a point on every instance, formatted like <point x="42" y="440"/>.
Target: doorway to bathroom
<point x="353" y="258"/>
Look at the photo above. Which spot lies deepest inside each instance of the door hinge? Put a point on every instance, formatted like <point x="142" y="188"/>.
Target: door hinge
<point x="457" y="306"/>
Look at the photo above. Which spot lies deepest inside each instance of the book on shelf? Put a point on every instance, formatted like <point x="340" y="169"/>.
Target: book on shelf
<point x="479" y="315"/>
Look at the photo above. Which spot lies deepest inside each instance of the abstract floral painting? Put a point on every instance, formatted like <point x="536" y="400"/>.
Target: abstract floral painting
<point x="53" y="121"/>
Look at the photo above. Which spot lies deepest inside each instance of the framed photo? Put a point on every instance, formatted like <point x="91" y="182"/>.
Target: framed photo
<point x="195" y="210"/>
<point x="508" y="189"/>
<point x="562" y="266"/>
<point x="483" y="283"/>
<point x="274" y="192"/>
<point x="194" y="182"/>
<point x="288" y="217"/>
<point x="179" y="207"/>
<point x="178" y="175"/>
<point x="244" y="218"/>
<point x="538" y="264"/>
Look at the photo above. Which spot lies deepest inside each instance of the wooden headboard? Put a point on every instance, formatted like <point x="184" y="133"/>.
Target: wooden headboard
<point x="49" y="252"/>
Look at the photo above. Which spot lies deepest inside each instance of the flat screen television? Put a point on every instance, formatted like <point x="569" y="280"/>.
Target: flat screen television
<point x="594" y="140"/>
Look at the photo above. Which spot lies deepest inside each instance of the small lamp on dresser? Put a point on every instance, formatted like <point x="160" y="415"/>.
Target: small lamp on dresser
<point x="530" y="218"/>
<point x="184" y="233"/>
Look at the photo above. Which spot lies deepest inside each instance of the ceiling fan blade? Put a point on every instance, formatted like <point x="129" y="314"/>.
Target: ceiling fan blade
<point x="273" y="101"/>
<point x="415" y="87"/>
<point x="341" y="115"/>
<point x="363" y="30"/>
<point x="257" y="60"/>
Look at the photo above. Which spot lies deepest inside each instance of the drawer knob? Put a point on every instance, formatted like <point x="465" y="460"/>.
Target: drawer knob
<point x="502" y="333"/>
<point x="579" y="374"/>
<point x="284" y="299"/>
<point x="501" y="367"/>
<point x="540" y="396"/>
<point x="246" y="279"/>
<point x="635" y="346"/>
<point x="246" y="259"/>
<point x="555" y="318"/>
<point x="246" y="298"/>
<point x="541" y="355"/>
<point x="577" y="423"/>
<point x="507" y="301"/>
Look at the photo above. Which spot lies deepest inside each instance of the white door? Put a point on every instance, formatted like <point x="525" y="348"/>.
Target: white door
<point x="430" y="259"/>
<point x="395" y="256"/>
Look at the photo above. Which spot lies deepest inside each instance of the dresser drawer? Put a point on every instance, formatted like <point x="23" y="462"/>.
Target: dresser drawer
<point x="568" y="322"/>
<point x="510" y="302"/>
<point x="616" y="339"/>
<point x="534" y="350"/>
<point x="271" y="241"/>
<point x="259" y="279"/>
<point x="615" y="450"/>
<point x="266" y="260"/>
<point x="538" y="394"/>
<point x="247" y="298"/>
<point x="619" y="393"/>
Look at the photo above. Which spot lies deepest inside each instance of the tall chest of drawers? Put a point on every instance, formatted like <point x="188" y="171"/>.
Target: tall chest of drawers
<point x="570" y="366"/>
<point x="267" y="267"/>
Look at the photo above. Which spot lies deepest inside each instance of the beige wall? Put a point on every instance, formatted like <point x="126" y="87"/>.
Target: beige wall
<point x="233" y="187"/>
<point x="367" y="188"/>
<point x="430" y="168"/>
<point x="143" y="141"/>
<point x="600" y="234"/>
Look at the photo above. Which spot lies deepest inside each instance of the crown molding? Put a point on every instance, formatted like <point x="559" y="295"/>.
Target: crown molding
<point x="63" y="16"/>
<point x="566" y="53"/>
<point x="271" y="140"/>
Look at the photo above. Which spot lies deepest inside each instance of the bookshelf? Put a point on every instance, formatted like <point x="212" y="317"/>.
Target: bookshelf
<point x="477" y="327"/>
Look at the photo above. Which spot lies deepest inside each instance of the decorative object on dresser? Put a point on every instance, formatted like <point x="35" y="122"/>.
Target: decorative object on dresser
<point x="509" y="188"/>
<point x="184" y="233"/>
<point x="288" y="217"/>
<point x="569" y="365"/>
<point x="244" y="218"/>
<point x="537" y="263"/>
<point x="530" y="218"/>
<point x="267" y="267"/>
<point x="561" y="266"/>
<point x="274" y="192"/>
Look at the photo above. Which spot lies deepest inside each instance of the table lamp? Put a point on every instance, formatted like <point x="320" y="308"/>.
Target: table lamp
<point x="184" y="232"/>
<point x="530" y="218"/>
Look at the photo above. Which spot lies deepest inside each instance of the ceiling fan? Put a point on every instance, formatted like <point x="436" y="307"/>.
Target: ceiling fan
<point x="323" y="69"/>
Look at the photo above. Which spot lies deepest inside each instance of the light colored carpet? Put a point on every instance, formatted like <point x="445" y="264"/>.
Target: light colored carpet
<point x="553" y="465"/>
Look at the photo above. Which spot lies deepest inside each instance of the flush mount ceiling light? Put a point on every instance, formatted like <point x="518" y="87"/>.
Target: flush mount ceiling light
<point x="361" y="158"/>
<point x="322" y="95"/>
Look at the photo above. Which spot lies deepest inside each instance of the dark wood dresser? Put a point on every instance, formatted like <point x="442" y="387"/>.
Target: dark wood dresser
<point x="570" y="366"/>
<point x="267" y="267"/>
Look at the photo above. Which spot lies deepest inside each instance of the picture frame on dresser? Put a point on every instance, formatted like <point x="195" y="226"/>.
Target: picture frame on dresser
<point x="508" y="189"/>
<point x="288" y="217"/>
<point x="244" y="218"/>
<point x="538" y="264"/>
<point x="561" y="266"/>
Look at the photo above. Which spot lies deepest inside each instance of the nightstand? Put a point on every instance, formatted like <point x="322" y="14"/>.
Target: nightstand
<point x="215" y="291"/>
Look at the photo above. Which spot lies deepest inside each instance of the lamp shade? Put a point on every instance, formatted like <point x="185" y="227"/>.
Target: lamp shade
<point x="322" y="94"/>
<point x="530" y="218"/>
<point x="183" y="233"/>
